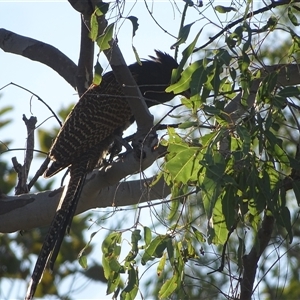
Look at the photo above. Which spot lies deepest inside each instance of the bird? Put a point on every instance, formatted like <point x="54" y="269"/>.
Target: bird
<point x="101" y="114"/>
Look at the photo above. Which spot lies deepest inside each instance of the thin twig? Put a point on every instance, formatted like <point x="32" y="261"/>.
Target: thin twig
<point x="38" y="97"/>
<point x="39" y="172"/>
<point x="23" y="170"/>
<point x="30" y="125"/>
<point x="221" y="268"/>
<point x="151" y="15"/>
<point x="249" y="15"/>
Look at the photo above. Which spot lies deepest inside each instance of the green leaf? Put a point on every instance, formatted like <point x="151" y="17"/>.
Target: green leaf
<point x="188" y="124"/>
<point x="211" y="180"/>
<point x="271" y="24"/>
<point x="224" y="9"/>
<point x="81" y="257"/>
<point x="168" y="287"/>
<point x="248" y="42"/>
<point x="179" y="263"/>
<point x="245" y="137"/>
<point x="218" y="224"/>
<point x="199" y="235"/>
<point x="83" y="261"/>
<point x="267" y="87"/>
<point x="175" y="143"/>
<point x="215" y="81"/>
<point x="211" y="110"/>
<point x="110" y="242"/>
<point x="113" y="282"/>
<point x="208" y="138"/>
<point x="170" y="251"/>
<point x="5" y="110"/>
<point x="184" y="166"/>
<point x="137" y="57"/>
<point x="185" y="56"/>
<point x="95" y="272"/>
<point x="93" y="34"/>
<point x="229" y="206"/>
<point x="161" y="264"/>
<point x="135" y="24"/>
<point x="104" y="39"/>
<point x="147" y="235"/>
<point x="263" y="184"/>
<point x="97" y="74"/>
<point x="175" y="202"/>
<point x="281" y="155"/>
<point x="244" y="62"/>
<point x="155" y="248"/>
<point x="183" y="35"/>
<point x="290" y="91"/>
<point x="295" y="47"/>
<point x="210" y="193"/>
<point x="275" y="149"/>
<point x="292" y="17"/>
<point x="223" y="56"/>
<point x="101" y="8"/>
<point x="135" y="237"/>
<point x="111" y="251"/>
<point x="131" y="289"/>
<point x="198" y="79"/>
<point x="114" y="265"/>
<point x="184" y="82"/>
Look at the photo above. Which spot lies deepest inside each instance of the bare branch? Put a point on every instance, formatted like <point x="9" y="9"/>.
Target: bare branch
<point x="23" y="171"/>
<point x="84" y="7"/>
<point x="84" y="74"/>
<point x="250" y="260"/>
<point x="39" y="51"/>
<point x="30" y="125"/>
<point x="102" y="188"/>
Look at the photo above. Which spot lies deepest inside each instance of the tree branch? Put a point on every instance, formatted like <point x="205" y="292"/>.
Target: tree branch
<point x="250" y="260"/>
<point x="102" y="188"/>
<point x="85" y="73"/>
<point x="31" y="208"/>
<point x="23" y="171"/>
<point x="39" y="51"/>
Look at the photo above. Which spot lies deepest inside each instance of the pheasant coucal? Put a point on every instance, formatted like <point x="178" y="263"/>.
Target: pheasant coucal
<point x="101" y="114"/>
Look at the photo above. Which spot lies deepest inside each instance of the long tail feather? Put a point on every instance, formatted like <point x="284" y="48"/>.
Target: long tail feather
<point x="62" y="220"/>
<point x="67" y="223"/>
